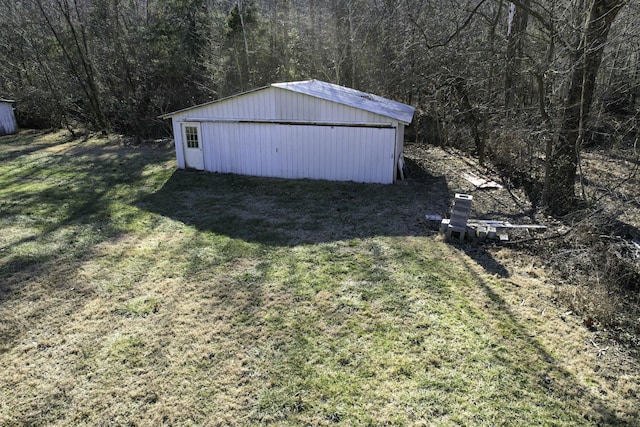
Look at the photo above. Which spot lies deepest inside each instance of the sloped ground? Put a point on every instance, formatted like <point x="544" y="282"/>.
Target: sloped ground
<point x="509" y="204"/>
<point x="590" y="262"/>
<point x="594" y="252"/>
<point x="611" y="180"/>
<point x="135" y="294"/>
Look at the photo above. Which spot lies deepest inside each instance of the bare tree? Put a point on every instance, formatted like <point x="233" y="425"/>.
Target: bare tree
<point x="516" y="31"/>
<point x="563" y="164"/>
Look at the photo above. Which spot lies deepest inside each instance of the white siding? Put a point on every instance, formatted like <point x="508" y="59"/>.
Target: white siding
<point x="286" y="151"/>
<point x="280" y="105"/>
<point x="7" y="119"/>
<point x="177" y="139"/>
<point x="296" y="106"/>
<point x="257" y="105"/>
<point x="362" y="147"/>
<point x="399" y="148"/>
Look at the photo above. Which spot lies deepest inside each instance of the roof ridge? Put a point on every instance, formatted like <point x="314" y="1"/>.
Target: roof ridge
<point x="351" y="97"/>
<point x="331" y="92"/>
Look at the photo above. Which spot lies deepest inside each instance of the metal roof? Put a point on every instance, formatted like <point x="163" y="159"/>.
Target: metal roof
<point x="352" y="98"/>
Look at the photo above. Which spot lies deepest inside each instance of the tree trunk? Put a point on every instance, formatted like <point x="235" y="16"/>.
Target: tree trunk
<point x="84" y="72"/>
<point x="492" y="51"/>
<point x="563" y="165"/>
<point x="246" y="43"/>
<point x="518" y="21"/>
<point x="469" y="113"/>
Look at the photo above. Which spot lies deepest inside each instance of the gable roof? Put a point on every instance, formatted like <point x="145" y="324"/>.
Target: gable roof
<point x="352" y="98"/>
<point x="335" y="93"/>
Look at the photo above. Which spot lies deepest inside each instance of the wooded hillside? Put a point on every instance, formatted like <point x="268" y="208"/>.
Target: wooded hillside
<point x="524" y="83"/>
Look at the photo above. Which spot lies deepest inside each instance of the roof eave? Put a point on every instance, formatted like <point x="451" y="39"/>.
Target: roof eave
<point x="173" y="113"/>
<point x="400" y="117"/>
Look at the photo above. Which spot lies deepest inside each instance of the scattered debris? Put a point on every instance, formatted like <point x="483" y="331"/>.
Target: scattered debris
<point x="503" y="224"/>
<point x="600" y="349"/>
<point x="480" y="182"/>
<point x="460" y="225"/>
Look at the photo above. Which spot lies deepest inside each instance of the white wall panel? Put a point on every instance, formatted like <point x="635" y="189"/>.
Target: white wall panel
<point x="177" y="139"/>
<point x="256" y="105"/>
<point x="291" y="151"/>
<point x="362" y="154"/>
<point x="7" y="119"/>
<point x="296" y="106"/>
<point x="277" y="104"/>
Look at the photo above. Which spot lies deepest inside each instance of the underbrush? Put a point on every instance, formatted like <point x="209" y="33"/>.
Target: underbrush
<point x="594" y="253"/>
<point x="597" y="266"/>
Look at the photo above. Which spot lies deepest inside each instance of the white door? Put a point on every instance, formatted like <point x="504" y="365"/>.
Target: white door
<point x="192" y="143"/>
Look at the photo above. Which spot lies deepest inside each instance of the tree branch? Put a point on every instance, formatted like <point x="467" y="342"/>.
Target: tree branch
<point x="452" y="36"/>
<point x="535" y="14"/>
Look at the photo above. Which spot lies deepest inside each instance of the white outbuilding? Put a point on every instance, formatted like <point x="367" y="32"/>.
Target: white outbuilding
<point x="8" y="123"/>
<point x="307" y="129"/>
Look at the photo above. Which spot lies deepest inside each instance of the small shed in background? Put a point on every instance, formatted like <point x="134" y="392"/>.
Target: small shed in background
<point x="307" y="129"/>
<point x="8" y="123"/>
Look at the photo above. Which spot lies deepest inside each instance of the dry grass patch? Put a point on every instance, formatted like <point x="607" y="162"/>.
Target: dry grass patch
<point x="147" y="296"/>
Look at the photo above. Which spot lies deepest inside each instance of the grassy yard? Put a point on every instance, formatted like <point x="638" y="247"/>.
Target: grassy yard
<point x="135" y="294"/>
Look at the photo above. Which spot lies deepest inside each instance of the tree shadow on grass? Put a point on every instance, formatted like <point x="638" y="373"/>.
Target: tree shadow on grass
<point x="559" y="382"/>
<point x="479" y="254"/>
<point x="60" y="208"/>
<point x="26" y="142"/>
<point x="283" y="212"/>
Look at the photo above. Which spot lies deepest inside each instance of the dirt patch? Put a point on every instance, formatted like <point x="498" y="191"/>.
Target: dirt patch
<point x="507" y="203"/>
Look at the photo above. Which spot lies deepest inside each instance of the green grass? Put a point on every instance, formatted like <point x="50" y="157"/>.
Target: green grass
<point x="132" y="293"/>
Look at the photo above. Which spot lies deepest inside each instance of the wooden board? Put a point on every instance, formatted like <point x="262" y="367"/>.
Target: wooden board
<point x="479" y="181"/>
<point x="503" y="224"/>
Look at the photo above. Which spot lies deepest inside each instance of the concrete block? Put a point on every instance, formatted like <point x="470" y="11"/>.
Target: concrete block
<point x="452" y="230"/>
<point x="481" y="233"/>
<point x="463" y="197"/>
<point x="491" y="232"/>
<point x="458" y="221"/>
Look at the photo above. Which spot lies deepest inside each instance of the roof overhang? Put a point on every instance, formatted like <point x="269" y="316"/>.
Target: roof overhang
<point x="352" y="98"/>
<point x="182" y="110"/>
<point x="395" y="110"/>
